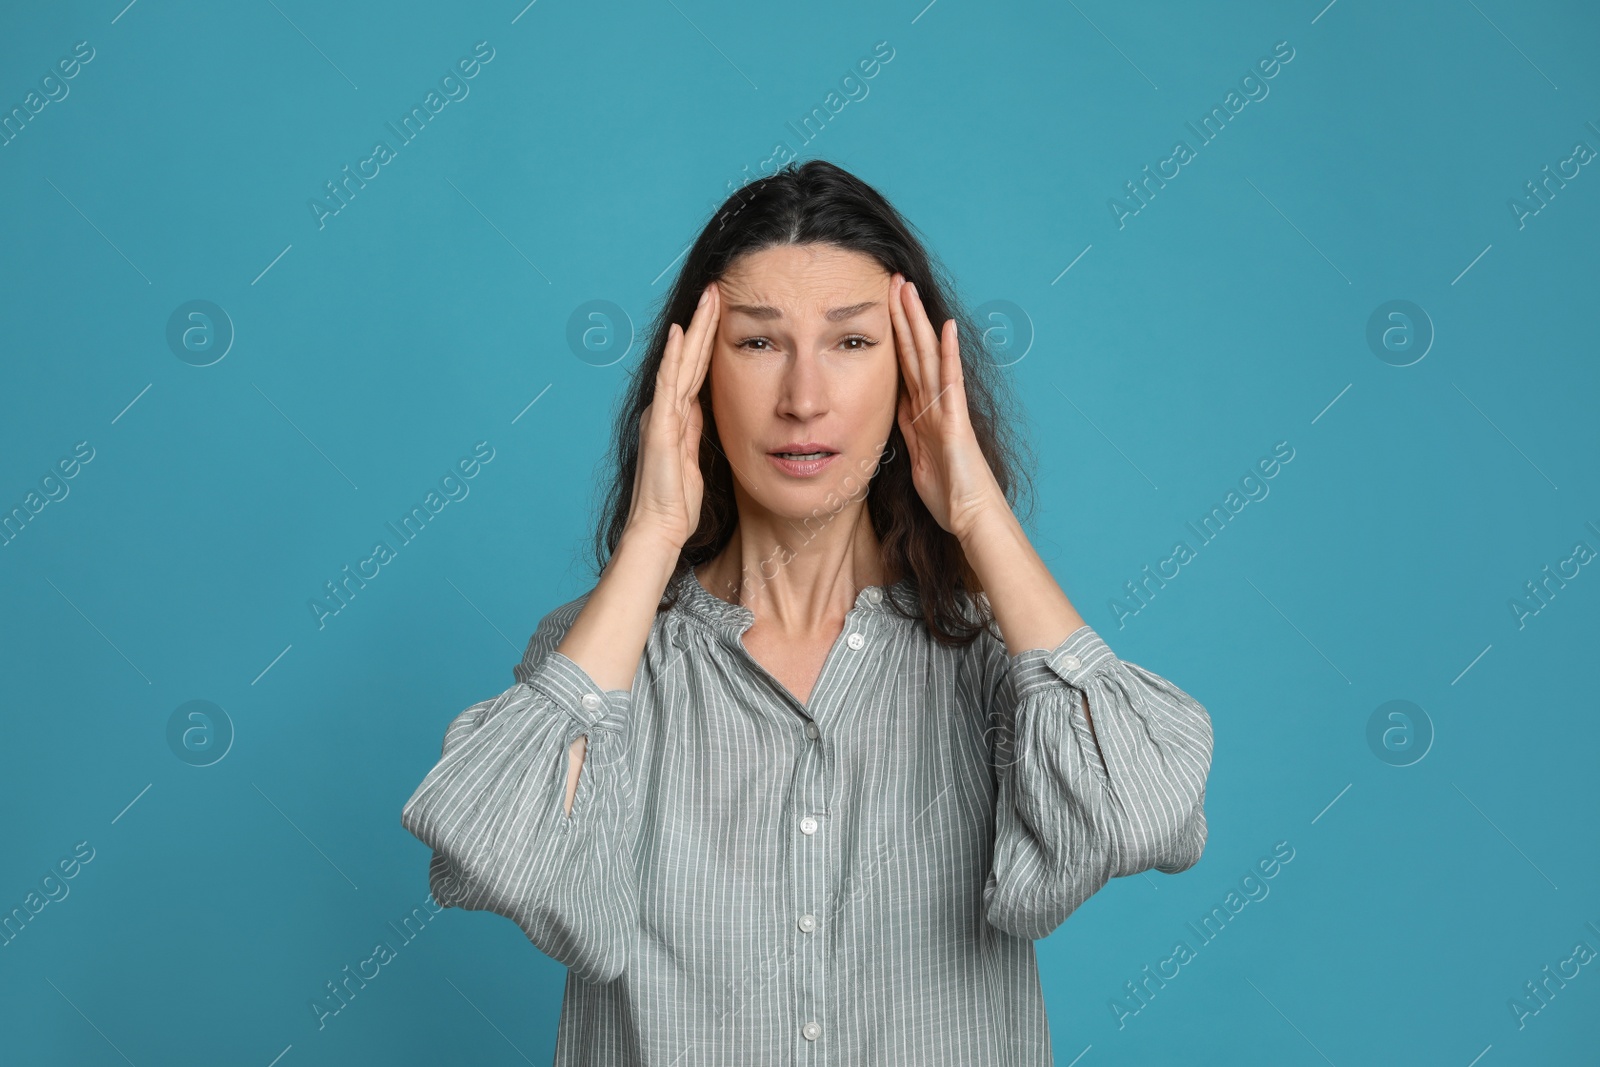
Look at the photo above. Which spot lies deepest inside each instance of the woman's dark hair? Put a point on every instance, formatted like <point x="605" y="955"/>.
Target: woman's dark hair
<point x="819" y="203"/>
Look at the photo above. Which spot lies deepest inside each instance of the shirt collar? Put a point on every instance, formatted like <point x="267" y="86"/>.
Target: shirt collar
<point x="732" y="620"/>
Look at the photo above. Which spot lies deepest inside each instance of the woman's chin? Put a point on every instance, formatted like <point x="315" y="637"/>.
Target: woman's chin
<point x="809" y="504"/>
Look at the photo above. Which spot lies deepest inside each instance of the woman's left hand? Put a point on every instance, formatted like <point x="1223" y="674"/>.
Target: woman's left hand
<point x="947" y="466"/>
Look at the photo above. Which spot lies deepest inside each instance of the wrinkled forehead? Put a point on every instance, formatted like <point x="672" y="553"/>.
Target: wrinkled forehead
<point x="802" y="281"/>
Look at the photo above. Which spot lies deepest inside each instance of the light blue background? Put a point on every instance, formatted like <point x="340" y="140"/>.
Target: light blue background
<point x="1228" y="315"/>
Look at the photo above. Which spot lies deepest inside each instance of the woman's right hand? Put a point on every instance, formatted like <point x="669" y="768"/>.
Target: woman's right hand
<point x="667" y="487"/>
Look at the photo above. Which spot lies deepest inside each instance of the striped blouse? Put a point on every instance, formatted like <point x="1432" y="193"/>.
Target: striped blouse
<point x="748" y="880"/>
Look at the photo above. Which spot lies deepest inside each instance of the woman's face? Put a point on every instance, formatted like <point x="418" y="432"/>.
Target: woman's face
<point x="804" y="362"/>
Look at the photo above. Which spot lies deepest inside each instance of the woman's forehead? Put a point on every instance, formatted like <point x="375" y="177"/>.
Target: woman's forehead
<point x="820" y="262"/>
<point x="794" y="280"/>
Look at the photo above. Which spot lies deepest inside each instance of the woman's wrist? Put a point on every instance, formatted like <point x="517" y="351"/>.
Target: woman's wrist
<point x="650" y="543"/>
<point x="983" y="524"/>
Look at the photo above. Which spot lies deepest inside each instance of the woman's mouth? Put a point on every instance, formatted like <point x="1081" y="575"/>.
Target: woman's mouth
<point x="802" y="462"/>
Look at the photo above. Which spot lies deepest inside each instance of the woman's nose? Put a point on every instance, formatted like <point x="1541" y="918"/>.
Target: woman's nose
<point x="804" y="393"/>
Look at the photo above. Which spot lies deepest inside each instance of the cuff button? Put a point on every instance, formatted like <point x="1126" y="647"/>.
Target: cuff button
<point x="1071" y="663"/>
<point x="591" y="702"/>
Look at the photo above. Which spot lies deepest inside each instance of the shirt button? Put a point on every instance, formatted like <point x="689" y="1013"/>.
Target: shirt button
<point x="591" y="702"/>
<point x="1071" y="663"/>
<point x="808" y="825"/>
<point x="808" y="923"/>
<point x="812" y="731"/>
<point x="855" y="641"/>
<point x="811" y="1031"/>
<point x="874" y="594"/>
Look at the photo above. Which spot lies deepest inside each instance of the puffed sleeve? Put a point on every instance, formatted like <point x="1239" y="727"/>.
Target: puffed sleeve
<point x="1078" y="805"/>
<point x="493" y="810"/>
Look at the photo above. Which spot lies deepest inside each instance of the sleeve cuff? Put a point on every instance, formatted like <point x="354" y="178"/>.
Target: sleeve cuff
<point x="1073" y="661"/>
<point x="580" y="696"/>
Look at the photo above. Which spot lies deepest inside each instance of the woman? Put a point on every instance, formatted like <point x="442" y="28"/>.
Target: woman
<point x="826" y="746"/>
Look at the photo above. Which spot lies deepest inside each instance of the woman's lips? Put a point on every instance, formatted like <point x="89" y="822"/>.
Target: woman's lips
<point x="801" y="468"/>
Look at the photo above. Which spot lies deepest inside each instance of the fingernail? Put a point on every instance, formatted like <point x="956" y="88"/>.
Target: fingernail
<point x="704" y="293"/>
<point x="913" y="287"/>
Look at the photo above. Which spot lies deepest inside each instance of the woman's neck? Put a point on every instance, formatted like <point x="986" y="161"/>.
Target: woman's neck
<point x="798" y="575"/>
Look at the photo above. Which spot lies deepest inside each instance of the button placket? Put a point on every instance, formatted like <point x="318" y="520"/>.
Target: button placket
<point x="810" y="889"/>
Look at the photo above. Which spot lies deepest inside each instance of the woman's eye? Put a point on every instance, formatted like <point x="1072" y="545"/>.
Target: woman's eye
<point x="854" y="343"/>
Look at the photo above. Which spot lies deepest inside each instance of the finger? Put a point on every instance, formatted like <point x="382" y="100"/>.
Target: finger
<point x="927" y="347"/>
<point x="955" y="402"/>
<point x="694" y="425"/>
<point x="694" y="339"/>
<point x="701" y="363"/>
<point x="669" y="357"/>
<point x="906" y="416"/>
<point x="671" y="371"/>
<point x="904" y="339"/>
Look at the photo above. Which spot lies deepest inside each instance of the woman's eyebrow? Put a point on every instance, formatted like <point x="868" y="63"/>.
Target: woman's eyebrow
<point x="766" y="311"/>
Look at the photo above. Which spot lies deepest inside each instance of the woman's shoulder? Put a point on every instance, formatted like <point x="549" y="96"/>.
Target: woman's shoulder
<point x="983" y="653"/>
<point x="552" y="627"/>
<point x="556" y="621"/>
<point x="974" y="611"/>
<point x="559" y="619"/>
